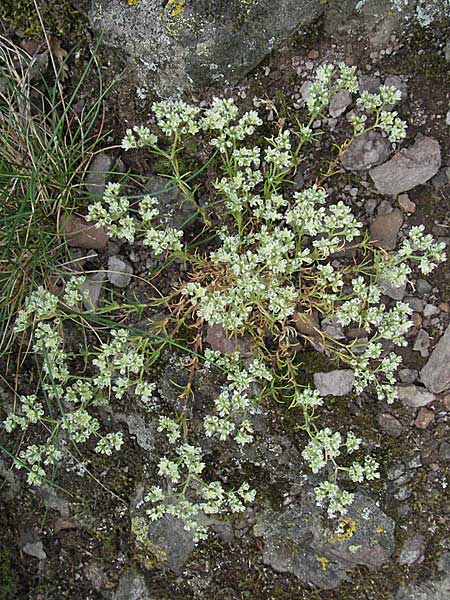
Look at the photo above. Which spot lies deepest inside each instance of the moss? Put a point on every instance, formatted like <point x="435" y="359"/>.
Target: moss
<point x="60" y="18"/>
<point x="8" y="584"/>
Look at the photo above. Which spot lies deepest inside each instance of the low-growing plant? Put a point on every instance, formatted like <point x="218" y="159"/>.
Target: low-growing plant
<point x="272" y="259"/>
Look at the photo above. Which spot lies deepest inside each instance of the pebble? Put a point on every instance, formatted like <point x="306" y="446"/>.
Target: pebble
<point x="334" y="383"/>
<point x="408" y="375"/>
<point x="81" y="234"/>
<point x="422" y="343"/>
<point x="119" y="272"/>
<point x="430" y="310"/>
<point x="414" y="396"/>
<point x="384" y="229"/>
<point x="413" y="551"/>
<point x="390" y="424"/>
<point x="423" y="287"/>
<point x="436" y="373"/>
<point x="408" y="168"/>
<point x="339" y="103"/>
<point x="406" y="204"/>
<point x="417" y="304"/>
<point x="424" y="417"/>
<point x="35" y="549"/>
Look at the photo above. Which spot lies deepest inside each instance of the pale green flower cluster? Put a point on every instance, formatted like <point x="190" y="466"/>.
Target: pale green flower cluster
<point x="183" y="472"/>
<point x="74" y="293"/>
<point x="113" y="211"/>
<point x="260" y="266"/>
<point x="119" y="363"/>
<point x="329" y="81"/>
<point x="322" y="452"/>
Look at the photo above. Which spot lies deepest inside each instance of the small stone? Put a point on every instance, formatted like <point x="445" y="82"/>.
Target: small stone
<point x="422" y="343"/>
<point x="370" y="206"/>
<point x="366" y="151"/>
<point x="417" y="304"/>
<point x="132" y="586"/>
<point x="396" y="471"/>
<point x="447" y="118"/>
<point x="444" y="307"/>
<point x="369" y="83"/>
<point x="444" y="452"/>
<point x="385" y="228"/>
<point x="93" y="286"/>
<point x="384" y="208"/>
<point x="436" y="373"/>
<point x="35" y="549"/>
<point x="119" y="272"/>
<point x="219" y="339"/>
<point x="313" y="54"/>
<point x="430" y="310"/>
<point x="408" y="375"/>
<point x="339" y="103"/>
<point x="408" y="168"/>
<point x="304" y="90"/>
<point x="414" y="396"/>
<point x="390" y="424"/>
<point x="81" y="234"/>
<point x="423" y="287"/>
<point x="334" y="383"/>
<point x="413" y="551"/>
<point x="396" y="293"/>
<point x="406" y="204"/>
<point x="424" y="417"/>
<point x="307" y="324"/>
<point x="98" y="173"/>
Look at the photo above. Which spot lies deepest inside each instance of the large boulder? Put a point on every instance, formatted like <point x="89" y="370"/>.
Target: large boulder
<point x="179" y="45"/>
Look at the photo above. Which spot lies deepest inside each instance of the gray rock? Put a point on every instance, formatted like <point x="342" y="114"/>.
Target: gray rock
<point x="430" y="310"/>
<point x="132" y="586"/>
<point x="423" y="287"/>
<point x="334" y="383"/>
<point x="384" y="229"/>
<point x="408" y="375"/>
<point x="98" y="173"/>
<point x="416" y="304"/>
<point x="339" y="103"/>
<point x="369" y="83"/>
<point x="414" y="396"/>
<point x="13" y="484"/>
<point x="93" y="286"/>
<point x="35" y="549"/>
<point x="296" y="541"/>
<point x="408" y="168"/>
<point x="436" y="373"/>
<point x="202" y="43"/>
<point x="422" y="343"/>
<point x="390" y="424"/>
<point x="304" y="90"/>
<point x="396" y="293"/>
<point x="119" y="272"/>
<point x="145" y="433"/>
<point x="447" y="118"/>
<point x="366" y="151"/>
<point x="413" y="551"/>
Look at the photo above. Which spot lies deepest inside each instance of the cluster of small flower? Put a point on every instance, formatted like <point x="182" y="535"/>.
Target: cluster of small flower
<point x="112" y="211"/>
<point x="74" y="292"/>
<point x="184" y="474"/>
<point x="39" y="305"/>
<point x="328" y="81"/>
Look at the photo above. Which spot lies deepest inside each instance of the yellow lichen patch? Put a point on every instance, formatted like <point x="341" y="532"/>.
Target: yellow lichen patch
<point x="133" y="2"/>
<point x="175" y="7"/>
<point x="323" y="561"/>
<point x="346" y="530"/>
<point x="380" y="530"/>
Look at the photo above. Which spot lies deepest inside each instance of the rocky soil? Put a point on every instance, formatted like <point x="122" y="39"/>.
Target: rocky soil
<point x="92" y="543"/>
